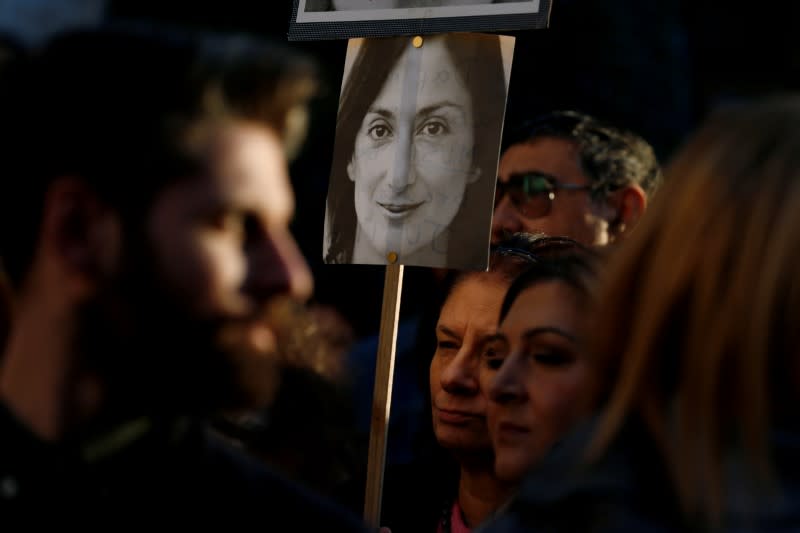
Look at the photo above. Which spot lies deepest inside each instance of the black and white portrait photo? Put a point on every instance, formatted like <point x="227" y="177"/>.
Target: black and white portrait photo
<point x="415" y="156"/>
<point x="321" y="19"/>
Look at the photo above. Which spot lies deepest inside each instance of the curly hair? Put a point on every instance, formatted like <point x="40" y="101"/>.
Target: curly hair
<point x="609" y="156"/>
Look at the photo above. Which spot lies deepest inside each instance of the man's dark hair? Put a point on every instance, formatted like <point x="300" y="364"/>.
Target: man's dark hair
<point x="609" y="156"/>
<point x="114" y="106"/>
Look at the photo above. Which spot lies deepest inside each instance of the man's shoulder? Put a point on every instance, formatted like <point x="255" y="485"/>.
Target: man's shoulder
<point x="251" y="487"/>
<point x="200" y="478"/>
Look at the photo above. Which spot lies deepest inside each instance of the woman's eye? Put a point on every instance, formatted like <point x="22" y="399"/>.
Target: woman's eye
<point x="434" y="128"/>
<point x="447" y="345"/>
<point x="552" y="358"/>
<point x="494" y="363"/>
<point x="493" y="357"/>
<point x="379" y="132"/>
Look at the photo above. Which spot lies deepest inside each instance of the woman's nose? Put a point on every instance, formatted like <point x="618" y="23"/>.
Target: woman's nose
<point x="506" y="386"/>
<point x="403" y="172"/>
<point x="460" y="374"/>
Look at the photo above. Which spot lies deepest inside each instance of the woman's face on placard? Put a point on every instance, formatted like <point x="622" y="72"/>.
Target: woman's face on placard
<point x="412" y="159"/>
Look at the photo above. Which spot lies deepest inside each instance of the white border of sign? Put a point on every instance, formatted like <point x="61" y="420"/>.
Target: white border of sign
<point x="504" y="8"/>
<point x="503" y="16"/>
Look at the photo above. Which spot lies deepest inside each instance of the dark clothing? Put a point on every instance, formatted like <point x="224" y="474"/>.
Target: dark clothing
<point x="628" y="490"/>
<point x="612" y="495"/>
<point x="148" y="469"/>
<point x="409" y="409"/>
<point x="416" y="496"/>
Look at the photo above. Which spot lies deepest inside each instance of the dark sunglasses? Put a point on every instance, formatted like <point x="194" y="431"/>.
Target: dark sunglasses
<point x="532" y="193"/>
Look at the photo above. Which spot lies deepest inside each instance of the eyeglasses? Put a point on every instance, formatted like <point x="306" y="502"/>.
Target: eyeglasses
<point x="532" y="193"/>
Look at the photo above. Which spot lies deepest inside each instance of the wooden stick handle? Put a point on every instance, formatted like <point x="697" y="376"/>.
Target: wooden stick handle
<point x="382" y="393"/>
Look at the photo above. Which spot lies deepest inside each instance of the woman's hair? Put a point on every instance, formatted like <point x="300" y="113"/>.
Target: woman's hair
<point x="479" y="62"/>
<point x="699" y="331"/>
<point x="575" y="267"/>
<point x="516" y="255"/>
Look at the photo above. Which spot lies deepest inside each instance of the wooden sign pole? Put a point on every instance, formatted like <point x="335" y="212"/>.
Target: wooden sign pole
<point x="382" y="393"/>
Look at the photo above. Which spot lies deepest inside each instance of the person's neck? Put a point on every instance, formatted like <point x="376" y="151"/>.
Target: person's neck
<point x="39" y="381"/>
<point x="480" y="493"/>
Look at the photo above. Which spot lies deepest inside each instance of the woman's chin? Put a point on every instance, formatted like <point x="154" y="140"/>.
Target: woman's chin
<point x="509" y="470"/>
<point x="377" y="239"/>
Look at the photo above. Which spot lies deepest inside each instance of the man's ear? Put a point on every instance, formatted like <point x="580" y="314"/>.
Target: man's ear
<point x="80" y="232"/>
<point x="629" y="203"/>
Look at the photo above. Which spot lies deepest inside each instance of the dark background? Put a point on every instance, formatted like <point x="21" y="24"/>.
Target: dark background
<point x="654" y="66"/>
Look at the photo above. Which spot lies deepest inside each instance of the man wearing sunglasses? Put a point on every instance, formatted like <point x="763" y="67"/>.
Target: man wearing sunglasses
<point x="569" y="174"/>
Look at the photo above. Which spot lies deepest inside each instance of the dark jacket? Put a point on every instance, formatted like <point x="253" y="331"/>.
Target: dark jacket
<point x="416" y="495"/>
<point x="149" y="469"/>
<point x="628" y="490"/>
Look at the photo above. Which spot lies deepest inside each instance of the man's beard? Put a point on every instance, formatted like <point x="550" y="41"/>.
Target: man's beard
<point x="151" y="355"/>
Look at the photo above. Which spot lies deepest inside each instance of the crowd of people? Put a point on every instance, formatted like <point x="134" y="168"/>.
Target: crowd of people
<point x="628" y="361"/>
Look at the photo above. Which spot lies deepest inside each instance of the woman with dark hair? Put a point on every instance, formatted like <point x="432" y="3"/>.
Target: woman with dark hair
<point x="535" y="369"/>
<point x="416" y="152"/>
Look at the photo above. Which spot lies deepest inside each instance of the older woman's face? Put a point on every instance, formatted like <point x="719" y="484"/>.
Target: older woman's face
<point x="467" y="319"/>
<point x="413" y="153"/>
<point x="535" y="374"/>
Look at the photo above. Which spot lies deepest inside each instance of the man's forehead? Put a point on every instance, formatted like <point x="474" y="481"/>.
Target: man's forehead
<point x="246" y="152"/>
<point x="550" y="155"/>
<point x="245" y="165"/>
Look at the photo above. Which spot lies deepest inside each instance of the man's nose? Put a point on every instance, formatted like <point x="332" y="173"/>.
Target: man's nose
<point x="505" y="220"/>
<point x="277" y="267"/>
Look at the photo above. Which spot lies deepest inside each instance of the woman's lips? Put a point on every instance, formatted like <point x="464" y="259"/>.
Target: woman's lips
<point x="397" y="211"/>
<point x="451" y="416"/>
<point x="509" y="432"/>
